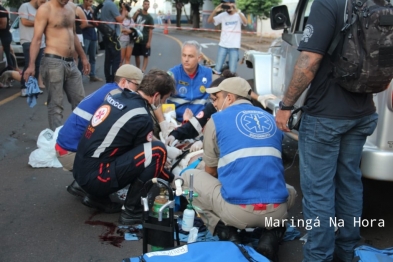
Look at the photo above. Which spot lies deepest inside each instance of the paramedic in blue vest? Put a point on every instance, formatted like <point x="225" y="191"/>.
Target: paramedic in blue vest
<point x="243" y="183"/>
<point x="127" y="76"/>
<point x="192" y="80"/>
<point x="193" y="127"/>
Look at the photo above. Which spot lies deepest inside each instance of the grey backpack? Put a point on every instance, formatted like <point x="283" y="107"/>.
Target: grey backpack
<point x="363" y="61"/>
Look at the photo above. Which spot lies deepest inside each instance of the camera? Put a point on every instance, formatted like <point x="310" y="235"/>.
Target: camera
<point x="225" y="7"/>
<point x="127" y="6"/>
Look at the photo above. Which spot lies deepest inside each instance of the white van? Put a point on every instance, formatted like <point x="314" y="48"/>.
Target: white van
<point x="273" y="71"/>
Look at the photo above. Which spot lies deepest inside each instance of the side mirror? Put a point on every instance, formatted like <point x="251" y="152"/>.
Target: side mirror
<point x="279" y="18"/>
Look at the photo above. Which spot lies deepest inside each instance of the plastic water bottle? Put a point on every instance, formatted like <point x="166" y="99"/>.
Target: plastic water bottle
<point x="188" y="218"/>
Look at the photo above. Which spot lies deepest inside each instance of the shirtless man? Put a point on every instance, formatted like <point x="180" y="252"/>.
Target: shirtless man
<point x="56" y="19"/>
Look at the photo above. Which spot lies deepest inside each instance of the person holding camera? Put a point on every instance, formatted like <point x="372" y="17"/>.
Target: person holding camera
<point x="110" y="13"/>
<point x="231" y="20"/>
<point x="145" y="23"/>
<point x="126" y="42"/>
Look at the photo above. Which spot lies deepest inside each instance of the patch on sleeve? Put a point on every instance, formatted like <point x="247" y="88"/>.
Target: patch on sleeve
<point x="149" y="136"/>
<point x="200" y="114"/>
<point x="307" y="33"/>
<point x="100" y="115"/>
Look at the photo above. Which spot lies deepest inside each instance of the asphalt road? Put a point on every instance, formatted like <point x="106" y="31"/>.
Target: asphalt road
<point x="41" y="221"/>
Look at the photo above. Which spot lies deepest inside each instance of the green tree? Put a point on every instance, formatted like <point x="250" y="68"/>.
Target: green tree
<point x="179" y="6"/>
<point x="259" y="8"/>
<point x="195" y="4"/>
<point x="14" y="3"/>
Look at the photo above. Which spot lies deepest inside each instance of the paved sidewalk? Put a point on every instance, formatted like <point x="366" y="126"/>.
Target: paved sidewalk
<point x="249" y="41"/>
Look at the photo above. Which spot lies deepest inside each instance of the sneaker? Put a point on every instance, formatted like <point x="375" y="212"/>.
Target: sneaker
<point x="23" y="92"/>
<point x="95" y="79"/>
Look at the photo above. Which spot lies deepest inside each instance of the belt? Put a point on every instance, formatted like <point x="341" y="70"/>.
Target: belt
<point x="259" y="207"/>
<point x="67" y="59"/>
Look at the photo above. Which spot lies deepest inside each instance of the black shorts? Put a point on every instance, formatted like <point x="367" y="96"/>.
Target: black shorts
<point x="140" y="49"/>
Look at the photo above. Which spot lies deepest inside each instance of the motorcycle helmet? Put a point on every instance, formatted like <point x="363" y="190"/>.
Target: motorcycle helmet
<point x="136" y="36"/>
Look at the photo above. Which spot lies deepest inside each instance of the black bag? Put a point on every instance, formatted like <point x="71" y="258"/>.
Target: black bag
<point x="364" y="63"/>
<point x="104" y="29"/>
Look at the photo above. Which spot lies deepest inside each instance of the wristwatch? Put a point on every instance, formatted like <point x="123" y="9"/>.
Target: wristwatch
<point x="282" y="106"/>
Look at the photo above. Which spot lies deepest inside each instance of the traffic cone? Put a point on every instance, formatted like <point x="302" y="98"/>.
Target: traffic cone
<point x="166" y="29"/>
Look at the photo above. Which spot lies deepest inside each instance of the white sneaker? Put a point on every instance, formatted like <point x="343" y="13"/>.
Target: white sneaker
<point x="23" y="92"/>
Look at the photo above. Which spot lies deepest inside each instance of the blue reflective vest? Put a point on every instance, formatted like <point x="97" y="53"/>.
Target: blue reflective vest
<point x="77" y="122"/>
<point x="190" y="92"/>
<point x="250" y="167"/>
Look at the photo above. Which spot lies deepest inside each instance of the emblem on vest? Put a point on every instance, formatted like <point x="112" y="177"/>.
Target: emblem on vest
<point x="202" y="89"/>
<point x="114" y="102"/>
<point x="100" y="115"/>
<point x="255" y="124"/>
<point x="182" y="90"/>
<point x="204" y="80"/>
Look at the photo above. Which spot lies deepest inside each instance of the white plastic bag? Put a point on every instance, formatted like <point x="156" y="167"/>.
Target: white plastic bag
<point x="45" y="155"/>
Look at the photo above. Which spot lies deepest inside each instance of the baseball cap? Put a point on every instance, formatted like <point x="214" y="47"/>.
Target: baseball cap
<point x="130" y="72"/>
<point x="228" y="1"/>
<point x="235" y="85"/>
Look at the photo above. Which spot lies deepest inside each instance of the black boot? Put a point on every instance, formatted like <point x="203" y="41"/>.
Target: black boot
<point x="133" y="209"/>
<point x="76" y="190"/>
<point x="226" y="233"/>
<point x="269" y="242"/>
<point x="104" y="204"/>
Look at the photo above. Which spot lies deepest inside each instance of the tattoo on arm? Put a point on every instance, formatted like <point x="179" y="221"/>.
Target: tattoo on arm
<point x="304" y="72"/>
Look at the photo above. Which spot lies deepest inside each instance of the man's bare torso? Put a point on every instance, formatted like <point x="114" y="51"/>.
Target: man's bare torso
<point x="59" y="31"/>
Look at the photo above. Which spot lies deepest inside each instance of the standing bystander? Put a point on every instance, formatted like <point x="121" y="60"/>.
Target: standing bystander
<point x="230" y="20"/>
<point x="6" y="37"/>
<point x="145" y="23"/>
<point x="27" y="12"/>
<point x="90" y="39"/>
<point x="110" y="13"/>
<point x="125" y="42"/>
<point x="333" y="129"/>
<point x="80" y="23"/>
<point x="56" y="19"/>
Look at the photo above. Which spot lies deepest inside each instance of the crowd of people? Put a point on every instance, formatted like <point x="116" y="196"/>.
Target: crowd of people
<point x="118" y="136"/>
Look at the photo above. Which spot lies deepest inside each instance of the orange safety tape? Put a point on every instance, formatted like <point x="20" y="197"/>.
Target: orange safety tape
<point x="153" y="26"/>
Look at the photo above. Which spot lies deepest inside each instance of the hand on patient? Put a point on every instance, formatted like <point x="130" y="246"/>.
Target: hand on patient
<point x="196" y="146"/>
<point x="164" y="126"/>
<point x="263" y="98"/>
<point x="187" y="115"/>
<point x="173" y="152"/>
